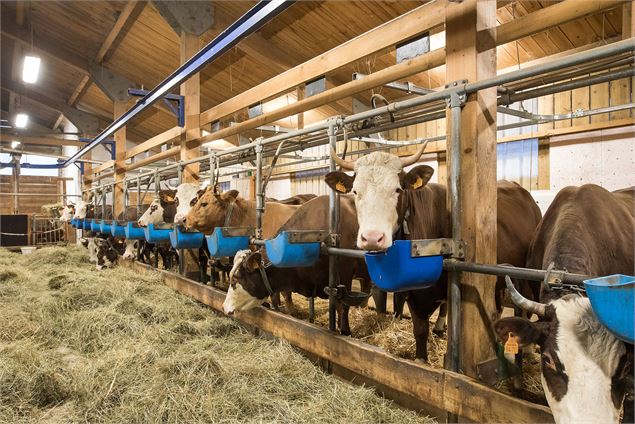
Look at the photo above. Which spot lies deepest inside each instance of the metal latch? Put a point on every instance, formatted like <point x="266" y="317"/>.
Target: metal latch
<point x="443" y="246"/>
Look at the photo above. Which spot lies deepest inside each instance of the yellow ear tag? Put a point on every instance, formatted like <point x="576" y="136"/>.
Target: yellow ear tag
<point x="511" y="345"/>
<point x="417" y="183"/>
<point x="340" y="187"/>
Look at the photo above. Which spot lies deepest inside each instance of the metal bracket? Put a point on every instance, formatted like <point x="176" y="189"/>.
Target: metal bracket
<point x="307" y="236"/>
<point x="459" y="97"/>
<point x="333" y="240"/>
<point x="174" y="102"/>
<point x="238" y="231"/>
<point x="164" y="226"/>
<point x="442" y="246"/>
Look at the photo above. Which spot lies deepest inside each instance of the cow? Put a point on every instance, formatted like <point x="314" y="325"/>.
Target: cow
<point x="389" y="201"/>
<point x="187" y="194"/>
<point x="298" y="199"/>
<point x="585" y="369"/>
<point x="161" y="211"/>
<point x="108" y="250"/>
<point x="67" y="213"/>
<point x="248" y="289"/>
<point x="228" y="209"/>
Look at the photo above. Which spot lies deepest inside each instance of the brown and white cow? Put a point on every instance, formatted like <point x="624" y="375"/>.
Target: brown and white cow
<point x="229" y="209"/>
<point x="585" y="369"/>
<point x="389" y="200"/>
<point x="247" y="288"/>
<point x="67" y="213"/>
<point x="160" y="211"/>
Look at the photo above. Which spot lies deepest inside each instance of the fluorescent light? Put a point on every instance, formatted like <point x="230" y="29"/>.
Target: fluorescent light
<point x="21" y="120"/>
<point x="15" y="144"/>
<point x="31" y="69"/>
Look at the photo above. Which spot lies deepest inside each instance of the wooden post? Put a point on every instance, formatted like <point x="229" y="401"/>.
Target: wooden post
<point x="120" y="166"/>
<point x="87" y="178"/>
<point x="191" y="90"/>
<point x="442" y="171"/>
<point x="471" y="55"/>
<point x="299" y="91"/>
<point x="544" y="181"/>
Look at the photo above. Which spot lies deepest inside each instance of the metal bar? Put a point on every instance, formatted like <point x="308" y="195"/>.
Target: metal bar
<point x="260" y="195"/>
<point x="256" y="17"/>
<point x="334" y="214"/>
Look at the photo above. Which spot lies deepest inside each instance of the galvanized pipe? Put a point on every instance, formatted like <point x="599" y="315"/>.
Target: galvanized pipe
<point x="334" y="213"/>
<point x="260" y="195"/>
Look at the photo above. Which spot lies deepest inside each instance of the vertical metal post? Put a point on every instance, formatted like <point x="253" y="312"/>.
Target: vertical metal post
<point x="157" y="184"/>
<point x="181" y="255"/>
<point x="212" y="170"/>
<point x="103" y="202"/>
<point x="454" y="187"/>
<point x="260" y="196"/>
<point x="334" y="214"/>
<point x="138" y="197"/>
<point x="126" y="200"/>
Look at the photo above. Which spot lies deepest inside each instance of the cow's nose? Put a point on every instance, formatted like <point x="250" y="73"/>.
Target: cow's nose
<point x="179" y="219"/>
<point x="373" y="240"/>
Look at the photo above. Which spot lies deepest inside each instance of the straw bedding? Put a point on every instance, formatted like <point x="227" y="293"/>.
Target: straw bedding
<point x="80" y="345"/>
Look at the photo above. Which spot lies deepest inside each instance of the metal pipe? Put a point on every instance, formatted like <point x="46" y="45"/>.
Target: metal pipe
<point x="334" y="214"/>
<point x="256" y="17"/>
<point x="454" y="194"/>
<point x="260" y="195"/>
<point x="514" y="272"/>
<point x="138" y="197"/>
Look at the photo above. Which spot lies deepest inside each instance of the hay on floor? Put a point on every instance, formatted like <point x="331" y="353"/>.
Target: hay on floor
<point x="81" y="345"/>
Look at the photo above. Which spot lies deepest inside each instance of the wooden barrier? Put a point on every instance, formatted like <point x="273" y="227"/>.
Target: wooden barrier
<point x="452" y="392"/>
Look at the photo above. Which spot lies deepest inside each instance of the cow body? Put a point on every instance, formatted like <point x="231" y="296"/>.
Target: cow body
<point x="298" y="199"/>
<point x="247" y="289"/>
<point x="390" y="201"/>
<point x="585" y="369"/>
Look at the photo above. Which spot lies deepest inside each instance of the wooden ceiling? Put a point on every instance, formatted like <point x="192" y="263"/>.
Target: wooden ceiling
<point x="147" y="50"/>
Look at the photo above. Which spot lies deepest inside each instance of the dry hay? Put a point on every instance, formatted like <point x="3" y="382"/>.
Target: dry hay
<point x="80" y="345"/>
<point x="396" y="337"/>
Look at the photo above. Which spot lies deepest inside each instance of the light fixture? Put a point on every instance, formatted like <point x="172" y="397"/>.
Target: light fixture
<point x="15" y="144"/>
<point x="31" y="69"/>
<point x="21" y="120"/>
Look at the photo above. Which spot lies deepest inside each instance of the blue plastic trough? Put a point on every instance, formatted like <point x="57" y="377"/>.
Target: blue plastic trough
<point x="285" y="252"/>
<point x="159" y="233"/>
<point x="221" y="244"/>
<point x="117" y="229"/>
<point x="74" y="223"/>
<point x="181" y="239"/>
<point x="133" y="231"/>
<point x="396" y="270"/>
<point x="86" y="224"/>
<point x="104" y="226"/>
<point x="613" y="301"/>
<point x="95" y="225"/>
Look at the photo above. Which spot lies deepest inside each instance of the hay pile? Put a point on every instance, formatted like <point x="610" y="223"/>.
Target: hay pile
<point x="80" y="345"/>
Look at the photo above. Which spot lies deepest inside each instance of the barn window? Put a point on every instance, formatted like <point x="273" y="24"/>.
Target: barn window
<point x="518" y="161"/>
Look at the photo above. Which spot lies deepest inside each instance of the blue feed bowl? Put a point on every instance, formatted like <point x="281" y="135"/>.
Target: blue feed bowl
<point x="181" y="239"/>
<point x="220" y="246"/>
<point x="612" y="299"/>
<point x="133" y="232"/>
<point x="86" y="224"/>
<point x="157" y="235"/>
<point x="284" y="254"/>
<point x="95" y="226"/>
<point x="74" y="223"/>
<point x="104" y="226"/>
<point x="117" y="230"/>
<point x="396" y="270"/>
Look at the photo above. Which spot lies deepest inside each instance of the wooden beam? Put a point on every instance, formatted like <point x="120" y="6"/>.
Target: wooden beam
<point x="40" y="141"/>
<point x="408" y="25"/>
<point x="449" y="391"/>
<point x="154" y="158"/>
<point x="156" y="141"/>
<point x="79" y="91"/>
<point x="58" y="121"/>
<point x="544" y="168"/>
<point x="603" y="125"/>
<point x="191" y="90"/>
<point x="126" y="14"/>
<point x="101" y="168"/>
<point x="471" y="54"/>
<point x="120" y="161"/>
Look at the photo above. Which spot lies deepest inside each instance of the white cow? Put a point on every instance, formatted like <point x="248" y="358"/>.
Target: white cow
<point x="67" y="213"/>
<point x="80" y="209"/>
<point x="186" y="196"/>
<point x="130" y="254"/>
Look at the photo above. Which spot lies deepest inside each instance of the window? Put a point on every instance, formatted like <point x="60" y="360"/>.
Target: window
<point x="518" y="161"/>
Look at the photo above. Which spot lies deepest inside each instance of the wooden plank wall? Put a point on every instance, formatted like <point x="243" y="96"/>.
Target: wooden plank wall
<point x="46" y="187"/>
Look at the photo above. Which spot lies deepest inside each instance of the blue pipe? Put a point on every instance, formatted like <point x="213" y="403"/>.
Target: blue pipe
<point x="261" y="13"/>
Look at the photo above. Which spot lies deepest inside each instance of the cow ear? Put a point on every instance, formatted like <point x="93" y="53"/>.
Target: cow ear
<point x="340" y="181"/>
<point x="229" y="196"/>
<point x="252" y="263"/>
<point x="416" y="178"/>
<point x="525" y="331"/>
<point x="166" y="196"/>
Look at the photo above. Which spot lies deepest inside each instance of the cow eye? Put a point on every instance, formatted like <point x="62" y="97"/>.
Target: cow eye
<point x="204" y="204"/>
<point x="176" y="201"/>
<point x="355" y="192"/>
<point x="193" y="202"/>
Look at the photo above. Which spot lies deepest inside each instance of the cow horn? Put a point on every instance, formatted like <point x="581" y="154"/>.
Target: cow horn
<point x="345" y="164"/>
<point x="522" y="302"/>
<point x="415" y="157"/>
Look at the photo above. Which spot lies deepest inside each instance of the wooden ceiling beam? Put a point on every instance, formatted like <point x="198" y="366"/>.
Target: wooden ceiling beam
<point x="40" y="141"/>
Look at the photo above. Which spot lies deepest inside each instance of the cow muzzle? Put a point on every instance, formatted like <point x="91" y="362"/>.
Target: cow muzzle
<point x="179" y="219"/>
<point x="373" y="240"/>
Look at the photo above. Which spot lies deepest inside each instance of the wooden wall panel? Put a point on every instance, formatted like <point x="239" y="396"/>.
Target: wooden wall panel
<point x="47" y="189"/>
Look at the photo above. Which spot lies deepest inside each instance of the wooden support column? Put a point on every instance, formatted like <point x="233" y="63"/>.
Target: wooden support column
<point x="471" y="55"/>
<point x="120" y="159"/>
<point x="87" y="177"/>
<point x="191" y="90"/>
<point x="442" y="168"/>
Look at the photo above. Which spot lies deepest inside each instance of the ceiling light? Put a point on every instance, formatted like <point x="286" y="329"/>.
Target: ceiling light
<point x="15" y="144"/>
<point x="31" y="69"/>
<point x="21" y="120"/>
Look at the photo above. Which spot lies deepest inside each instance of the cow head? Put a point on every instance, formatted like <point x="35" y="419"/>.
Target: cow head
<point x="130" y="254"/>
<point x="210" y="210"/>
<point x="81" y="209"/>
<point x="92" y="249"/>
<point x="246" y="289"/>
<point x="377" y="184"/>
<point x="67" y="213"/>
<point x="161" y="210"/>
<point x="187" y="194"/>
<point x="584" y="367"/>
<point x="106" y="254"/>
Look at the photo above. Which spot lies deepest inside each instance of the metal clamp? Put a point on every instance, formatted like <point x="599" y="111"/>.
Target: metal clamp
<point x="238" y="231"/>
<point x="459" y="97"/>
<point x="333" y="240"/>
<point x="307" y="236"/>
<point x="443" y="246"/>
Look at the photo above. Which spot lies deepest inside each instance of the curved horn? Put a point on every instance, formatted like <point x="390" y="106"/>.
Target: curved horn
<point x="345" y="164"/>
<point x="522" y="302"/>
<point x="415" y="157"/>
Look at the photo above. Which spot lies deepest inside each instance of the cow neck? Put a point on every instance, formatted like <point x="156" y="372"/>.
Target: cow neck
<point x="236" y="212"/>
<point x="403" y="214"/>
<point x="272" y="276"/>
